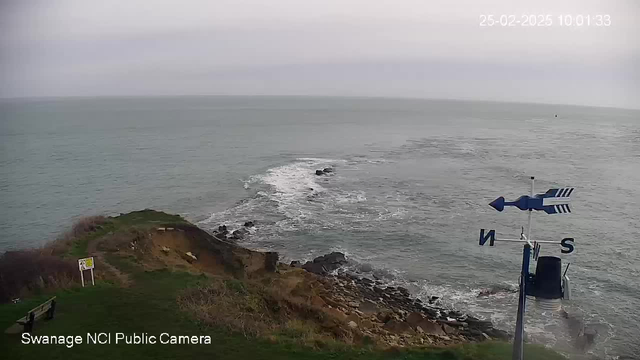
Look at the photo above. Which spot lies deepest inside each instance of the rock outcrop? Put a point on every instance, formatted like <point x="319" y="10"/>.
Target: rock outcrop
<point x="390" y="314"/>
<point x="325" y="171"/>
<point x="184" y="244"/>
<point x="326" y="263"/>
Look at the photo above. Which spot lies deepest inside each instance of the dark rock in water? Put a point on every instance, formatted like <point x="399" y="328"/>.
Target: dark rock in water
<point x="296" y="264"/>
<point x="323" y="264"/>
<point x="319" y="172"/>
<point x="327" y="170"/>
<point x="366" y="268"/>
<point x="367" y="282"/>
<point x="433" y="299"/>
<point x="316" y="268"/>
<point x="249" y="224"/>
<point x="403" y="291"/>
<point x="222" y="231"/>
<point x="239" y="234"/>
<point x="331" y="261"/>
<point x="271" y="261"/>
<point x="433" y="313"/>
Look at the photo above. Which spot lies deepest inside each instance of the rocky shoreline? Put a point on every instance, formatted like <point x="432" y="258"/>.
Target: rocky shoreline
<point x="390" y="313"/>
<point x="387" y="314"/>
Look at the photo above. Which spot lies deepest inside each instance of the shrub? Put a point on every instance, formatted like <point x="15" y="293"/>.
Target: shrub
<point x="256" y="309"/>
<point x="27" y="272"/>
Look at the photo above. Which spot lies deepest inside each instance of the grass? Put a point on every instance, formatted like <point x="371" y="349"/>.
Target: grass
<point x="139" y="219"/>
<point x="21" y="272"/>
<point x="76" y="240"/>
<point x="150" y="307"/>
<point x="149" y="217"/>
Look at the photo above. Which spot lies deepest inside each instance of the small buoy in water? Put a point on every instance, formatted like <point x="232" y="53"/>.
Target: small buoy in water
<point x="556" y="115"/>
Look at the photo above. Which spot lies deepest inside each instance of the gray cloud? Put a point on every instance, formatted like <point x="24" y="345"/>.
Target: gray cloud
<point x="357" y="47"/>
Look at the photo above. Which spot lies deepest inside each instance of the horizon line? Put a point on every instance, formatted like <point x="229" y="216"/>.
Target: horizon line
<point x="372" y="97"/>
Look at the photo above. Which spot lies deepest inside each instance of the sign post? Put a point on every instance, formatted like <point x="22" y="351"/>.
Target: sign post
<point x="554" y="201"/>
<point x="86" y="264"/>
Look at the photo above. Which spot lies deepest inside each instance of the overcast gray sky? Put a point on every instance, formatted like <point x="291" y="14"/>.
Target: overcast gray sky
<point x="396" y="48"/>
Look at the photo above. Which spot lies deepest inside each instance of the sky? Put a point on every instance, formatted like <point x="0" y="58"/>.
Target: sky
<point x="387" y="48"/>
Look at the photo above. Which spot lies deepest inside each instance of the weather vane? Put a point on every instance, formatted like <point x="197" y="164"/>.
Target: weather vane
<point x="548" y="285"/>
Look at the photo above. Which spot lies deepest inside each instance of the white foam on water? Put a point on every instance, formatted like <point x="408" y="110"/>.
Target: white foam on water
<point x="466" y="148"/>
<point x="350" y="197"/>
<point x="236" y="214"/>
<point x="291" y="185"/>
<point x="397" y="213"/>
<point x="320" y="160"/>
<point x="286" y="191"/>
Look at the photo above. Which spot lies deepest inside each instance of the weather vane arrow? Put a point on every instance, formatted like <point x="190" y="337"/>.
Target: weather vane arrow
<point x="554" y="201"/>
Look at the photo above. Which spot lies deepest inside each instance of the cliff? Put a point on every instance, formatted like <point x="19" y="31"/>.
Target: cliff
<point x="149" y="262"/>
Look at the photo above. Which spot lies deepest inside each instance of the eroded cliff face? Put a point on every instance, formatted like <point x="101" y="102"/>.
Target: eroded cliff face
<point x="273" y="297"/>
<point x="188" y="248"/>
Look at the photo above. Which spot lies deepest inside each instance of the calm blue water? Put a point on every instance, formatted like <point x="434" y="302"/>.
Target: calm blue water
<point x="410" y="193"/>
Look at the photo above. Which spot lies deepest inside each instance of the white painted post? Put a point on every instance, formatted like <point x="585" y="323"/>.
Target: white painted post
<point x="92" y="281"/>
<point x="82" y="278"/>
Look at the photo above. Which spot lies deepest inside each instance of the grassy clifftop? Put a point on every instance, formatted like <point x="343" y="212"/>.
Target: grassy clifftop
<point x="147" y="284"/>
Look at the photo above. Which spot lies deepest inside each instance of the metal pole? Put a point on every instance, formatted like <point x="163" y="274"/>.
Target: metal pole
<point x="530" y="211"/>
<point x="518" y="340"/>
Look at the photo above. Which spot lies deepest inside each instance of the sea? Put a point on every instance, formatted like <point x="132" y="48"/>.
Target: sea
<point x="408" y="196"/>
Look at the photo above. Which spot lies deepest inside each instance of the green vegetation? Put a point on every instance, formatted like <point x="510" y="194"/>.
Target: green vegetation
<point x="32" y="272"/>
<point x="148" y="217"/>
<point x="79" y="247"/>
<point x="139" y="219"/>
<point x="151" y="305"/>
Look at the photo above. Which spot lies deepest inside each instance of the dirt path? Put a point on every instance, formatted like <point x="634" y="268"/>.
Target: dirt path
<point x="92" y="248"/>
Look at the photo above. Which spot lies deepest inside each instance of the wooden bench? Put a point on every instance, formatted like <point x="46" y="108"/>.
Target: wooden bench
<point x="47" y="309"/>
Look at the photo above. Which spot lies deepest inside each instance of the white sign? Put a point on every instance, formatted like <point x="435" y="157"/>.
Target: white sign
<point x="86" y="264"/>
